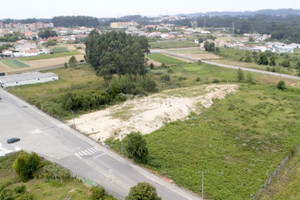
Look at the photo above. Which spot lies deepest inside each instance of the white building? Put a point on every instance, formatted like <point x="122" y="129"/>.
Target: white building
<point x="26" y="78"/>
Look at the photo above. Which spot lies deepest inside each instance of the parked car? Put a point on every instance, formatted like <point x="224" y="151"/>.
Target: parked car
<point x="12" y="140"/>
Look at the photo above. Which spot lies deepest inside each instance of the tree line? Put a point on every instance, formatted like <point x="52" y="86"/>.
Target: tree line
<point x="70" y="21"/>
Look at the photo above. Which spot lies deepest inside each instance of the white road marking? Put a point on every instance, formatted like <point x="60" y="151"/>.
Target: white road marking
<point x="76" y="149"/>
<point x="100" y="155"/>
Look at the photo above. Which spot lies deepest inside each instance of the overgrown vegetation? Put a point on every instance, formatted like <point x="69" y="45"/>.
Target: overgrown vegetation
<point x="48" y="181"/>
<point x="238" y="142"/>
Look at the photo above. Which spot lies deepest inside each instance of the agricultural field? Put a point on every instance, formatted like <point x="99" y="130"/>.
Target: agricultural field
<point x="237" y="142"/>
<point x="287" y="184"/>
<point x="165" y="59"/>
<point x="48" y="56"/>
<point x="14" y="63"/>
<point x="171" y="44"/>
<point x="41" y="187"/>
<point x="59" y="49"/>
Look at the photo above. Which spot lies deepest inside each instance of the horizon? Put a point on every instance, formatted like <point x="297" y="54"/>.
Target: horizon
<point x="117" y="8"/>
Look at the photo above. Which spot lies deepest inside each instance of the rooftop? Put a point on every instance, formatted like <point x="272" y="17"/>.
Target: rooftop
<point x="25" y="76"/>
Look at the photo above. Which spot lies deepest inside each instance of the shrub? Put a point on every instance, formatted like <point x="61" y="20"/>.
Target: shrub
<point x="285" y="63"/>
<point x="20" y="189"/>
<point x="215" y="81"/>
<point x="26" y="165"/>
<point x="240" y="75"/>
<point x="97" y="193"/>
<point x="198" y="79"/>
<point x="151" y="66"/>
<point x="165" y="77"/>
<point x="281" y="85"/>
<point x="136" y="147"/>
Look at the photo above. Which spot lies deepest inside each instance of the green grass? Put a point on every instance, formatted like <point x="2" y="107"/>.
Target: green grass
<point x="14" y="63"/>
<point x="287" y="184"/>
<point x="172" y="44"/>
<point x="48" y="56"/>
<point x="59" y="49"/>
<point x="165" y="59"/>
<point x="41" y="188"/>
<point x="238" y="142"/>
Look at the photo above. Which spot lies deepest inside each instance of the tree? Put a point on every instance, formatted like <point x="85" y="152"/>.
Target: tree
<point x="136" y="147"/>
<point x="72" y="62"/>
<point x="97" y="193"/>
<point x="46" y="33"/>
<point x="272" y="61"/>
<point x="209" y="46"/>
<point x="143" y="191"/>
<point x="116" y="53"/>
<point x="66" y="65"/>
<point x="251" y="39"/>
<point x="248" y="59"/>
<point x="281" y="85"/>
<point x="240" y="75"/>
<point x="285" y="63"/>
<point x="263" y="59"/>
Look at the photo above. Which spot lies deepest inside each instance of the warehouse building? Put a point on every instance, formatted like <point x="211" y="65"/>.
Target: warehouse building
<point x="26" y="78"/>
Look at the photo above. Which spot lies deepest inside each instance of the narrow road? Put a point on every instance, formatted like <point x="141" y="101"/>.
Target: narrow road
<point x="227" y="66"/>
<point x="85" y="158"/>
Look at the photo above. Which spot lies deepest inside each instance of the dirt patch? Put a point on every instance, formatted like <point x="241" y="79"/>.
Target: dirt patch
<point x="50" y="62"/>
<point x="147" y="114"/>
<point x="155" y="63"/>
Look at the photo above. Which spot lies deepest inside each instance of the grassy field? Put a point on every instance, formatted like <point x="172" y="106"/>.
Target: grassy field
<point x="59" y="49"/>
<point x="40" y="188"/>
<point x="172" y="44"/>
<point x="47" y="96"/>
<point x="47" y="56"/>
<point x="287" y="184"/>
<point x="14" y="63"/>
<point x="238" y="142"/>
<point x="165" y="59"/>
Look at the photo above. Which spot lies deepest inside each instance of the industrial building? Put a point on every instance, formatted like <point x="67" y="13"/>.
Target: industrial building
<point x="26" y="78"/>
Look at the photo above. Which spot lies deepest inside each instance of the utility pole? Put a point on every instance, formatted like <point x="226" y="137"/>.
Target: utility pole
<point x="202" y="184"/>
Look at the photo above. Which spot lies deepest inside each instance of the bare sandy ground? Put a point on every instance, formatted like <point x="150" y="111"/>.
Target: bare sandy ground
<point x="50" y="62"/>
<point x="147" y="114"/>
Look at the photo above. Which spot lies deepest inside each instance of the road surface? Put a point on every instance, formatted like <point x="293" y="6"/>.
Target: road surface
<point x="226" y="66"/>
<point x="85" y="158"/>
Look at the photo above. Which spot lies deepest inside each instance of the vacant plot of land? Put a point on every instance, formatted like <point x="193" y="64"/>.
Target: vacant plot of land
<point x="197" y="54"/>
<point x="148" y="114"/>
<point x="172" y="44"/>
<point x="237" y="142"/>
<point x="58" y="61"/>
<point x="14" y="63"/>
<point x="59" y="49"/>
<point x="48" y="56"/>
<point x="287" y="184"/>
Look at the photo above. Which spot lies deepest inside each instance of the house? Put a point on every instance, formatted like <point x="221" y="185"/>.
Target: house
<point x="26" y="78"/>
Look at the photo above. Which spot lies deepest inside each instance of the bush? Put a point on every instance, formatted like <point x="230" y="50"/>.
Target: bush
<point x="281" y="85"/>
<point x="198" y="79"/>
<point x="285" y="63"/>
<point x="20" y="189"/>
<point x="136" y="147"/>
<point x="240" y="75"/>
<point x="97" y="193"/>
<point x="165" y="78"/>
<point x="143" y="191"/>
<point x="151" y="66"/>
<point x="154" y="163"/>
<point x="26" y="165"/>
<point x="216" y="81"/>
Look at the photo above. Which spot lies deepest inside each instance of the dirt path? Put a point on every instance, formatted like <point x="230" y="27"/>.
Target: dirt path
<point x="147" y="114"/>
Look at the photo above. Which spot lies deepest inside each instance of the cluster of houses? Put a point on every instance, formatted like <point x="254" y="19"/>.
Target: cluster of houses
<point x="24" y="48"/>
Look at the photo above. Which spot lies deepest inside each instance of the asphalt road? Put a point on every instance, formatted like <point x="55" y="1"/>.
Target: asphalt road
<point x="85" y="158"/>
<point x="227" y="66"/>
